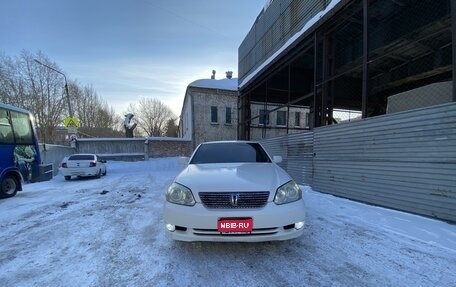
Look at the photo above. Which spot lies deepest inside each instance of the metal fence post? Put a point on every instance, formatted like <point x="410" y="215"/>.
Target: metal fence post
<point x="146" y="149"/>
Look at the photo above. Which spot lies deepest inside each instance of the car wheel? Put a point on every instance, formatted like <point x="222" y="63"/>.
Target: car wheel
<point x="9" y="187"/>
<point x="98" y="174"/>
<point x="104" y="173"/>
<point x="67" y="177"/>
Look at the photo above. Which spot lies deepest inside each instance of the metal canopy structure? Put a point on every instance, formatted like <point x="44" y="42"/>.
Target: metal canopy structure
<point x="360" y="53"/>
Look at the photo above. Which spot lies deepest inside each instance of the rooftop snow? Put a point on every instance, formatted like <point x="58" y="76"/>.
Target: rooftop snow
<point x="223" y="84"/>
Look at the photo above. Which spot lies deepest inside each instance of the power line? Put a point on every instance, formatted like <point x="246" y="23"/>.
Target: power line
<point x="187" y="19"/>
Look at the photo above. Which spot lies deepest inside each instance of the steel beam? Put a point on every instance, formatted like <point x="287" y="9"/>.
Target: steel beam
<point x="365" y="88"/>
<point x="453" y="29"/>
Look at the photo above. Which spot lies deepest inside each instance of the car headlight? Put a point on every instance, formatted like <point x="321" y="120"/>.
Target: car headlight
<point x="287" y="193"/>
<point x="180" y="194"/>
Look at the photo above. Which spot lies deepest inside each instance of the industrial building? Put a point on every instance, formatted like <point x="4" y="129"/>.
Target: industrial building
<point x="345" y="59"/>
<point x="377" y="79"/>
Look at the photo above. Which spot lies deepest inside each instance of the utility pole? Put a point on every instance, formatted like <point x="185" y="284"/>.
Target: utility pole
<point x="66" y="85"/>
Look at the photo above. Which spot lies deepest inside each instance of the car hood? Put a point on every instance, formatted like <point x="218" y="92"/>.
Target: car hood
<point x="229" y="177"/>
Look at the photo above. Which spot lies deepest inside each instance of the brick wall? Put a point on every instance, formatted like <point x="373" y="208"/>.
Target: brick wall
<point x="206" y="130"/>
<point x="169" y="148"/>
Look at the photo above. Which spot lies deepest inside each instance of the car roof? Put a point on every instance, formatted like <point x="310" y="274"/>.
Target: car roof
<point x="13" y="108"/>
<point x="82" y="155"/>
<point x="229" y="141"/>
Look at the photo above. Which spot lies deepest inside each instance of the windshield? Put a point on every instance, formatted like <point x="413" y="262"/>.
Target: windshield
<point x="82" y="157"/>
<point x="229" y="152"/>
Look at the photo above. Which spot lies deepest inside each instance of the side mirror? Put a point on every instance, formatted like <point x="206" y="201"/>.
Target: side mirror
<point x="183" y="160"/>
<point x="277" y="159"/>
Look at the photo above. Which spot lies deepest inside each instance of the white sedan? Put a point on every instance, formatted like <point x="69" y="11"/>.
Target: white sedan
<point x="82" y="165"/>
<point x="233" y="191"/>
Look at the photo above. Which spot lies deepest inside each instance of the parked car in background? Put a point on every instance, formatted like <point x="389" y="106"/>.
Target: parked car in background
<point x="82" y="165"/>
<point x="234" y="191"/>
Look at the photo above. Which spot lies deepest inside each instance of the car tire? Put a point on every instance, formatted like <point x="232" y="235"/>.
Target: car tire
<point x="104" y="173"/>
<point x="67" y="177"/>
<point x="98" y="174"/>
<point x="9" y="187"/>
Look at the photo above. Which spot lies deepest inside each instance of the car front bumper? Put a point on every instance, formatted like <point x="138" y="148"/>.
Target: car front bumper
<point x="270" y="223"/>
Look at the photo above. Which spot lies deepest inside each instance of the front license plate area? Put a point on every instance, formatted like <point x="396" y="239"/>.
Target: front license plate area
<point x="235" y="225"/>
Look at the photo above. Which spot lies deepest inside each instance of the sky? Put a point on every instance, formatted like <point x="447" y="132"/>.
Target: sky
<point x="131" y="49"/>
<point x="111" y="232"/>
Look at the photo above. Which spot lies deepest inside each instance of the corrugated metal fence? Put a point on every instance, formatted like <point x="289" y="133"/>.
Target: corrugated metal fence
<point x="296" y="151"/>
<point x="405" y="161"/>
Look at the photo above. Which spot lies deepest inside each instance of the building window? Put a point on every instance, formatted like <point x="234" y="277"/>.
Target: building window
<point x="307" y="119"/>
<point x="214" y="115"/>
<point x="281" y="118"/>
<point x="228" y="116"/>
<point x="297" y="122"/>
<point x="264" y="117"/>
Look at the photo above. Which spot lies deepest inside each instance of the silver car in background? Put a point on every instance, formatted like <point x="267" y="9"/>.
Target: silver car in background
<point x="82" y="165"/>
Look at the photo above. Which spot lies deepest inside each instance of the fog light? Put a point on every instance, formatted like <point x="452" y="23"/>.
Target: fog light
<point x="170" y="227"/>
<point x="299" y="225"/>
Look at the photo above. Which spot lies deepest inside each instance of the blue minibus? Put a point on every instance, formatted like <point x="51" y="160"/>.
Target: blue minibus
<point x="19" y="151"/>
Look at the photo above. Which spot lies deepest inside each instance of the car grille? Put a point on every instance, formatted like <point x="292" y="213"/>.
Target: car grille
<point x="253" y="199"/>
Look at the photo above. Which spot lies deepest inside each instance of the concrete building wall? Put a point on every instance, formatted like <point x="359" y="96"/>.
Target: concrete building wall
<point x="185" y="123"/>
<point x="122" y="149"/>
<point x="204" y="129"/>
<point x="131" y="149"/>
<point x="426" y="96"/>
<point x="275" y="128"/>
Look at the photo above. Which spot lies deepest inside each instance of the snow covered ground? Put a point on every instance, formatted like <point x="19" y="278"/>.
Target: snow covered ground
<point x="109" y="232"/>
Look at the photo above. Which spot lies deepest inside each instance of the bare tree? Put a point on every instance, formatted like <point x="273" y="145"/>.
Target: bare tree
<point x="152" y="116"/>
<point x="26" y="84"/>
<point x="96" y="117"/>
<point x="11" y="82"/>
<point x="30" y="85"/>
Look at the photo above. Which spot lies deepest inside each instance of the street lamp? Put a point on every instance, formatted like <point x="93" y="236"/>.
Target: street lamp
<point x="66" y="85"/>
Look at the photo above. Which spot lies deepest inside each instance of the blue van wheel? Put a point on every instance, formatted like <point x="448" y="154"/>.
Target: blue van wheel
<point x="9" y="187"/>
